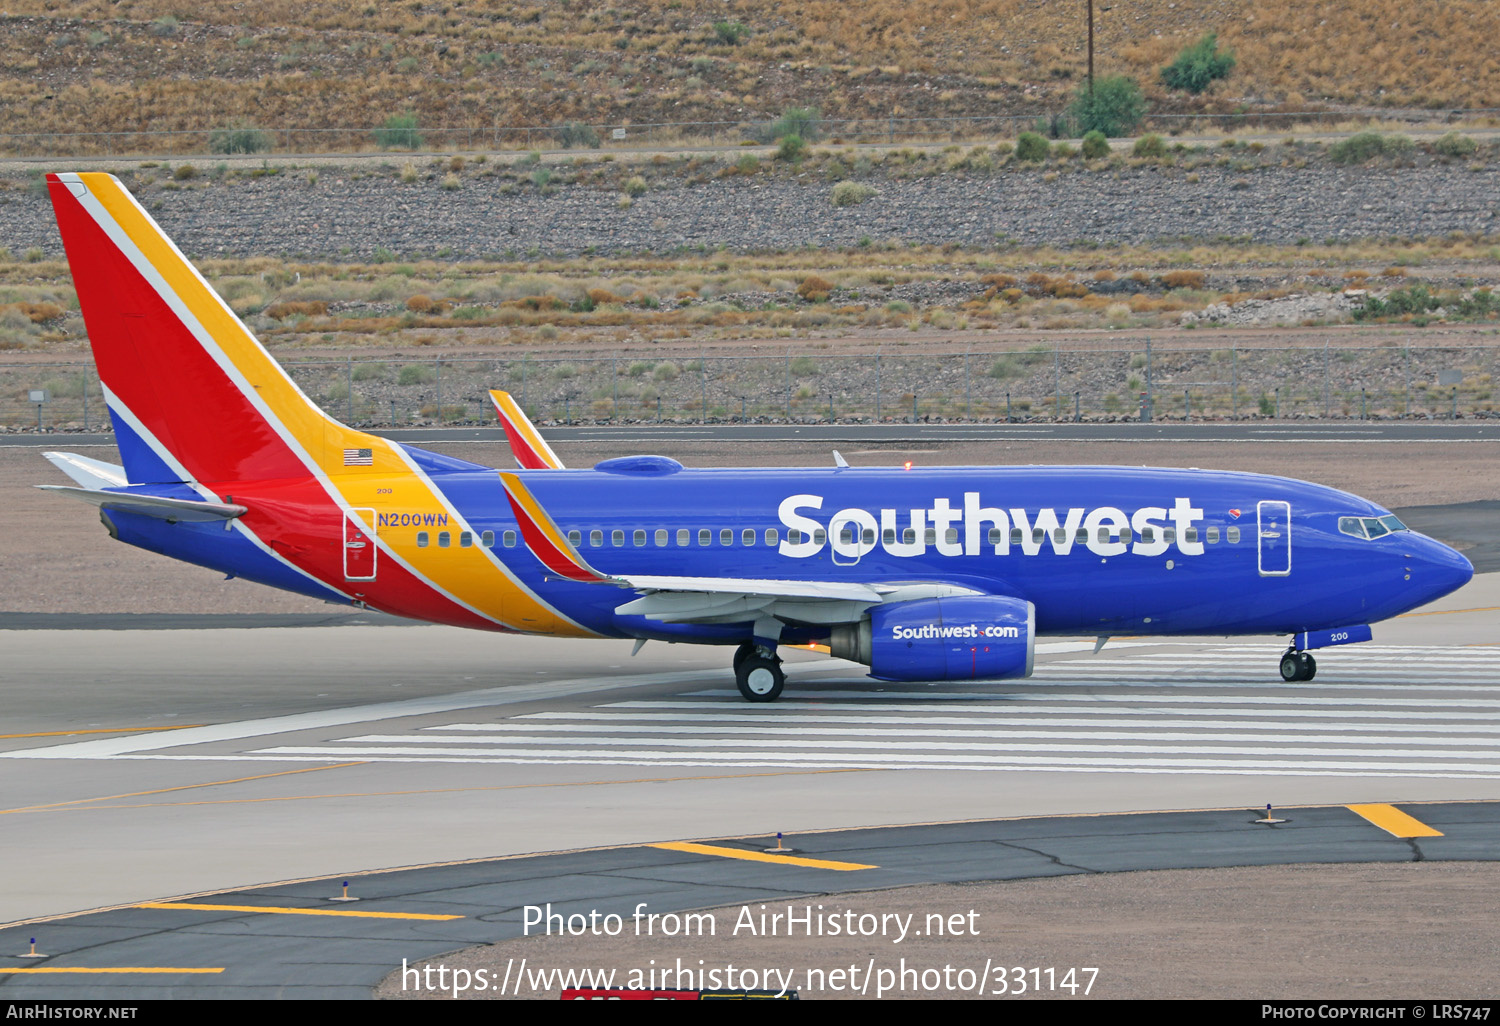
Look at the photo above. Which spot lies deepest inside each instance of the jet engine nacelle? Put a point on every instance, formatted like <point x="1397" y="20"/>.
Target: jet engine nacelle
<point x="971" y="637"/>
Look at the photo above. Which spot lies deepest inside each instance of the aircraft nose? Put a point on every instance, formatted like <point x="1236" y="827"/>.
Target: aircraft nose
<point x="1436" y="569"/>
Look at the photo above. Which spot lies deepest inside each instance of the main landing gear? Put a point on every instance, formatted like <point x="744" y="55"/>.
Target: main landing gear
<point x="757" y="673"/>
<point x="1296" y="666"/>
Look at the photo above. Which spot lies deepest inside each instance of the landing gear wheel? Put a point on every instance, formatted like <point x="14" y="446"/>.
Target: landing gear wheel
<point x="1298" y="666"/>
<point x="759" y="679"/>
<point x="745" y="651"/>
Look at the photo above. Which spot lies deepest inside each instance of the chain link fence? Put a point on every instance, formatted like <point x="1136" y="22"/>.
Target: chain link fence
<point x="1042" y="383"/>
<point x="451" y="139"/>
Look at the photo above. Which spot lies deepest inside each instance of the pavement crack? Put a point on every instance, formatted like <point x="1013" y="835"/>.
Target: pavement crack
<point x="1054" y="859"/>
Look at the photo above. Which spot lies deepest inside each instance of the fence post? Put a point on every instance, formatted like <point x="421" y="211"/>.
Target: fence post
<point x="968" y="395"/>
<point x="1327" y="408"/>
<point x="1077" y="412"/>
<point x="830" y="407"/>
<point x="393" y="413"/>
<point x="1007" y="408"/>
<point x="703" y="378"/>
<point x="877" y="388"/>
<point x="1149" y="396"/>
<point x="85" y="400"/>
<point x="1278" y="402"/>
<point x="1406" y="399"/>
<point x="914" y="407"/>
<point x="788" y="386"/>
<point x="439" y="364"/>
<point x="1234" y="381"/>
<point x="1056" y="384"/>
<point x="1454" y="415"/>
<point x="349" y="385"/>
<point x="614" y="384"/>
<point x="1362" y="400"/>
<point x="1187" y="406"/>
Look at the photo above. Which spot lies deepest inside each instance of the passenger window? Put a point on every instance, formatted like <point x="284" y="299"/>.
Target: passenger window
<point x="747" y="536"/>
<point x="1213" y="536"/>
<point x="994" y="536"/>
<point x="1190" y="535"/>
<point x="1060" y="535"/>
<point x="888" y="536"/>
<point x="596" y="537"/>
<point x="909" y="536"/>
<point x="617" y="538"/>
<point x="639" y="537"/>
<point x="771" y="535"/>
<point x="820" y="537"/>
<point x="421" y="539"/>
<point x="1148" y="535"/>
<point x="508" y="539"/>
<point x="1015" y="536"/>
<point x="1038" y="535"/>
<point x="1169" y="535"/>
<point x="726" y="536"/>
<point x="1082" y="535"/>
<point x="705" y="536"/>
<point x="574" y="538"/>
<point x="684" y="536"/>
<point x="487" y="539"/>
<point x="1102" y="534"/>
<point x="466" y="539"/>
<point x="1126" y="534"/>
<point x="661" y="537"/>
<point x="931" y="538"/>
<point x="1233" y="535"/>
<point x="846" y="536"/>
<point x="952" y="535"/>
<point x="443" y="539"/>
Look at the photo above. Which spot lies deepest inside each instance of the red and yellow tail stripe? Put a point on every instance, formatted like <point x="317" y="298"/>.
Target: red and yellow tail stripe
<point x="544" y="538"/>
<point x="526" y="443"/>
<point x="178" y="361"/>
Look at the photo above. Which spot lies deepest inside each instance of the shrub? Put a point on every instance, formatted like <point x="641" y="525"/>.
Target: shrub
<point x="398" y="133"/>
<point x="451" y="182"/>
<point x="239" y="138"/>
<point x="851" y="194"/>
<point x="166" y="25"/>
<point x="574" y="134"/>
<point x="1198" y="65"/>
<point x="635" y="186"/>
<point x="416" y="374"/>
<point x="1114" y="107"/>
<point x="1183" y="279"/>
<point x="748" y="164"/>
<point x="730" y="32"/>
<point x="541" y="176"/>
<point x="308" y="308"/>
<point x="1362" y="146"/>
<point x="799" y="121"/>
<point x="790" y="148"/>
<point x="803" y="367"/>
<point x="814" y="289"/>
<point x="1150" y="145"/>
<point x="1031" y="146"/>
<point x="1095" y="146"/>
<point x="185" y="172"/>
<point x="1455" y="145"/>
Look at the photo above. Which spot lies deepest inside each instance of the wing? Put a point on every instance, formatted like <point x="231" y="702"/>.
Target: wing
<point x="526" y="443"/>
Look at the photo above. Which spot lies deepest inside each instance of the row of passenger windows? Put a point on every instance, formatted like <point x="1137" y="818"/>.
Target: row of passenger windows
<point x="748" y="537"/>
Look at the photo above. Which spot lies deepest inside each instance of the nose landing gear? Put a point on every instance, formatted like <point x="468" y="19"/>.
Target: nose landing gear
<point x="1298" y="666"/>
<point x="757" y="673"/>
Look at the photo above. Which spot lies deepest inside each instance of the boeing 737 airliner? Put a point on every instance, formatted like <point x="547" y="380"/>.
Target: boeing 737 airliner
<point x="937" y="574"/>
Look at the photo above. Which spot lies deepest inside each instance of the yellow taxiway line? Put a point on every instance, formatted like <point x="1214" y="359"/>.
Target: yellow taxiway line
<point x="758" y="856"/>
<point x="276" y="910"/>
<point x="1394" y="822"/>
<point x="54" y="969"/>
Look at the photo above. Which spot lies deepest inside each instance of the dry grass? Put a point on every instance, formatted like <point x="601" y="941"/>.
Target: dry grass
<point x="96" y="64"/>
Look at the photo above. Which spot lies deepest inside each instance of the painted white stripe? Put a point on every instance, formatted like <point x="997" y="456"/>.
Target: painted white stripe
<point x="1008" y="741"/>
<point x="905" y="724"/>
<point x="998" y="710"/>
<point x="1166" y="697"/>
<point x="541" y="733"/>
<point x="717" y="757"/>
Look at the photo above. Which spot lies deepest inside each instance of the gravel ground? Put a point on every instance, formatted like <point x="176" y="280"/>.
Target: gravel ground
<point x="343" y="215"/>
<point x="1367" y="932"/>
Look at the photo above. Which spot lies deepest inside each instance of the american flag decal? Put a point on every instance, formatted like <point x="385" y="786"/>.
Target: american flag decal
<point x="359" y="457"/>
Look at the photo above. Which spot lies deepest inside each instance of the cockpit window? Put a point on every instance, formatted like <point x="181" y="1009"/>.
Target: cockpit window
<point x="1370" y="527"/>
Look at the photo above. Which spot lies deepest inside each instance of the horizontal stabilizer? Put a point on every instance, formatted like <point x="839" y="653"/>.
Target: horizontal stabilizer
<point x="157" y="506"/>
<point x="87" y="472"/>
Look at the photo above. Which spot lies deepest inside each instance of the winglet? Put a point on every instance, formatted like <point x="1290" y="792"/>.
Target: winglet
<point x="526" y="443"/>
<point x="544" y="538"/>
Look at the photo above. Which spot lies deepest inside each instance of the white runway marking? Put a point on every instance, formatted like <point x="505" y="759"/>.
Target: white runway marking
<point x="1372" y="712"/>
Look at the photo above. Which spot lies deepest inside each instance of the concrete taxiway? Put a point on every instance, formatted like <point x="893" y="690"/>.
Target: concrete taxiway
<point x="143" y="765"/>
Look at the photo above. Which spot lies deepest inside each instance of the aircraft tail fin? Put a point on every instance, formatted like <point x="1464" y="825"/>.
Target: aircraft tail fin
<point x="192" y="394"/>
